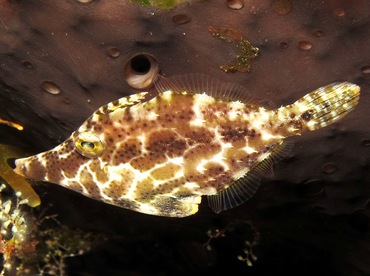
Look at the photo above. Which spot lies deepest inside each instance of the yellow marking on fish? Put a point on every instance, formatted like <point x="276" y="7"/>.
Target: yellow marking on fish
<point x="159" y="156"/>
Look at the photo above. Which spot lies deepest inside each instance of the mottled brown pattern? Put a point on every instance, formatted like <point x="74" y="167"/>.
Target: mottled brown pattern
<point x="192" y="158"/>
<point x="147" y="161"/>
<point x="213" y="176"/>
<point x="69" y="168"/>
<point x="201" y="151"/>
<point x="114" y="190"/>
<point x="129" y="149"/>
<point x="127" y="178"/>
<point x="144" y="189"/>
<point x="99" y="172"/>
<point x="88" y="182"/>
<point x="233" y="134"/>
<point x="200" y="135"/>
<point x="169" y="186"/>
<point x="125" y="203"/>
<point x="75" y="186"/>
<point x="220" y="181"/>
<point x="217" y="113"/>
<point x="166" y="141"/>
<point x="165" y="171"/>
<point x="238" y="160"/>
<point x="38" y="171"/>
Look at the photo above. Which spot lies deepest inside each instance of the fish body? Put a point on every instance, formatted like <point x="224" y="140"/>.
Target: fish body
<point x="158" y="155"/>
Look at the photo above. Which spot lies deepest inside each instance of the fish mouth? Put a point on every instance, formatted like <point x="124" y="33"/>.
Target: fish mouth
<point x="20" y="167"/>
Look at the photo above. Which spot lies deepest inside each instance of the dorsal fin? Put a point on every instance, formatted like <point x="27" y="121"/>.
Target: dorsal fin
<point x="245" y="187"/>
<point x="199" y="83"/>
<point x="122" y="102"/>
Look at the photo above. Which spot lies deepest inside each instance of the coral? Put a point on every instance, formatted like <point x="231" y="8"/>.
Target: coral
<point x="58" y="244"/>
<point x="29" y="243"/>
<point x="15" y="229"/>
<point x="254" y="237"/>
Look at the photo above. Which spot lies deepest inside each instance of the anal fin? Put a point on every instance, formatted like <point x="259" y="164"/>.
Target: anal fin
<point x="245" y="187"/>
<point x="237" y="193"/>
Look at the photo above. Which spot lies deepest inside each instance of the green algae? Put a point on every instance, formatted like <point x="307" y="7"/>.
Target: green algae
<point x="17" y="182"/>
<point x="162" y="4"/>
<point x="246" y="52"/>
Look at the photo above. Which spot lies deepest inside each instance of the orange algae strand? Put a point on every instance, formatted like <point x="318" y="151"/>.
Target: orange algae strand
<point x="11" y="124"/>
<point x="17" y="182"/>
<point x="243" y="60"/>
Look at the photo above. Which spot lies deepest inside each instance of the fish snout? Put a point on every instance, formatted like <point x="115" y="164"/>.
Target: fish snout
<point x="20" y="167"/>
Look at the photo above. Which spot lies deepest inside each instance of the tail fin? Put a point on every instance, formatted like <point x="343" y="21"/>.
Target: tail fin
<point x="328" y="104"/>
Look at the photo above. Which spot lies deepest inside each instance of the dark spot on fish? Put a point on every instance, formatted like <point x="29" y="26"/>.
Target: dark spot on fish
<point x="99" y="173"/>
<point x="200" y="135"/>
<point x="115" y="103"/>
<point x="115" y="189"/>
<point x="325" y="105"/>
<point x="166" y="142"/>
<point x="169" y="186"/>
<point x="297" y="125"/>
<point x="306" y="116"/>
<point x="234" y="134"/>
<point x="220" y="180"/>
<point x="145" y="162"/>
<point x="144" y="189"/>
<point x="252" y="133"/>
<point x="88" y="182"/>
<point x="125" y="203"/>
<point x="93" y="190"/>
<point x="75" y="186"/>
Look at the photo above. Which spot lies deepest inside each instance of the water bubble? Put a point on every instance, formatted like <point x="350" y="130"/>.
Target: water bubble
<point x="365" y="69"/>
<point x="27" y="64"/>
<point x="365" y="142"/>
<point x="329" y="168"/>
<point x="339" y="12"/>
<point x="304" y="45"/>
<point x="66" y="100"/>
<point x="50" y="87"/>
<point x="114" y="52"/>
<point x="311" y="188"/>
<point x="235" y="4"/>
<point x="180" y="19"/>
<point x="282" y="7"/>
<point x="283" y="45"/>
<point x="318" y="33"/>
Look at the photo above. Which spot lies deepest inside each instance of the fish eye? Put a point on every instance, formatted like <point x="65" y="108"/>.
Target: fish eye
<point x="88" y="145"/>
